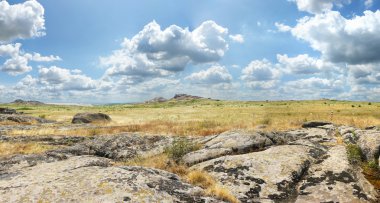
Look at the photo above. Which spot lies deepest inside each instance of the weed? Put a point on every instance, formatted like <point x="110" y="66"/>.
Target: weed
<point x="354" y="154"/>
<point x="179" y="148"/>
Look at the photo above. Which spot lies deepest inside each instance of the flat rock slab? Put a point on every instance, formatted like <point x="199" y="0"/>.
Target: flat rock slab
<point x="334" y="180"/>
<point x="239" y="141"/>
<point x="313" y="124"/>
<point x="91" y="179"/>
<point x="267" y="175"/>
<point x="369" y="142"/>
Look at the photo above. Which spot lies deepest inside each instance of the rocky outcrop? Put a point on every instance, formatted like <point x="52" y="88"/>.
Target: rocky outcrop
<point x="232" y="142"/>
<point x="335" y="180"/>
<point x="92" y="179"/>
<point x="7" y="111"/>
<point x="185" y="97"/>
<point x="90" y="118"/>
<point x="270" y="174"/>
<point x="22" y="119"/>
<point x="303" y="165"/>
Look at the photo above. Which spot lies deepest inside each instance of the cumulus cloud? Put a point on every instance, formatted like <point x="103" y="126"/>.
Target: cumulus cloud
<point x="364" y="74"/>
<point x="20" y="21"/>
<point x="260" y="74"/>
<point x="214" y="75"/>
<point x="353" y="41"/>
<point x="65" y="79"/>
<point x="318" y="6"/>
<point x="154" y="52"/>
<point x="237" y="38"/>
<point x="304" y="64"/>
<point x="17" y="61"/>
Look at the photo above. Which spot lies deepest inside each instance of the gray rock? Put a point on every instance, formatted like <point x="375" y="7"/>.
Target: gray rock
<point x="90" y="118"/>
<point x="205" y="155"/>
<point x="369" y="142"/>
<point x="7" y="111"/>
<point x="120" y="147"/>
<point x="346" y="129"/>
<point x="92" y="179"/>
<point x="334" y="180"/>
<point x="22" y="119"/>
<point x="254" y="177"/>
<point x="239" y="141"/>
<point x="313" y="124"/>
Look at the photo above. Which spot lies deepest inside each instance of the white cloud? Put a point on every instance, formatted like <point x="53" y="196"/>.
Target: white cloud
<point x="20" y="21"/>
<point x="364" y="74"/>
<point x="353" y="41"/>
<point x="282" y="27"/>
<point x="17" y="61"/>
<point x="214" y="75"/>
<point x="237" y="38"/>
<point x="318" y="6"/>
<point x="260" y="74"/>
<point x="65" y="79"/>
<point x="304" y="64"/>
<point x="154" y="52"/>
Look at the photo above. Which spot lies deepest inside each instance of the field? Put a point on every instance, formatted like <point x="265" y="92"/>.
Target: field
<point x="205" y="117"/>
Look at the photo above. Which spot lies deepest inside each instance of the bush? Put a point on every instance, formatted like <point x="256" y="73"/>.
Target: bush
<point x="43" y="116"/>
<point x="373" y="165"/>
<point x="179" y="148"/>
<point x="354" y="154"/>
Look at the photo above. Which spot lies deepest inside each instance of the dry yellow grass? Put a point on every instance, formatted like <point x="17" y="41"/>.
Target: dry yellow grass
<point x="211" y="117"/>
<point x="10" y="148"/>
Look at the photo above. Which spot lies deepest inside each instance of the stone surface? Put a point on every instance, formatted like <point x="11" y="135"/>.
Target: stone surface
<point x="92" y="179"/>
<point x="335" y="180"/>
<point x="369" y="142"/>
<point x="90" y="118"/>
<point x="205" y="154"/>
<point x="270" y="174"/>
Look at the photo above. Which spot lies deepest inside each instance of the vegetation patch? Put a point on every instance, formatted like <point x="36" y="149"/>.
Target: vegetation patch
<point x="179" y="148"/>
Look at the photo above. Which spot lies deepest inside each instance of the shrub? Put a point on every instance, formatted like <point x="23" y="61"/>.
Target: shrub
<point x="373" y="165"/>
<point x="179" y="148"/>
<point x="43" y="116"/>
<point x="354" y="154"/>
<point x="369" y="103"/>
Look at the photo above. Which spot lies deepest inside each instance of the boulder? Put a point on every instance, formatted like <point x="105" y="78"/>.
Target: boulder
<point x="91" y="118"/>
<point x="335" y="180"/>
<point x="7" y="111"/>
<point x="258" y="176"/>
<point x="93" y="179"/>
<point x="313" y="124"/>
<point x="205" y="155"/>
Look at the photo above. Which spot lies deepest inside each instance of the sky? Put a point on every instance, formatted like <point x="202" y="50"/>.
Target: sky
<point x="96" y="51"/>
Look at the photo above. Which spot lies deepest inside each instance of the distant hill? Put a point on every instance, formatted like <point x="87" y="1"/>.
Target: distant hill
<point x="156" y="100"/>
<point x="20" y="101"/>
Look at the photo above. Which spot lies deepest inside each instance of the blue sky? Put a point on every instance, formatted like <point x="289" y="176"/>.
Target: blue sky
<point x="96" y="51"/>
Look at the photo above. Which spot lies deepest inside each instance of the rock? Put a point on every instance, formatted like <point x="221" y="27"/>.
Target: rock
<point x="7" y="111"/>
<point x="120" y="147"/>
<point x="369" y="143"/>
<point x="313" y="124"/>
<point x="185" y="97"/>
<point x="92" y="179"/>
<point x="346" y="129"/>
<point x="239" y="141"/>
<point x="90" y="118"/>
<point x="258" y="176"/>
<point x="334" y="180"/>
<point x="313" y="134"/>
<point x="22" y="119"/>
<point x="205" y="155"/>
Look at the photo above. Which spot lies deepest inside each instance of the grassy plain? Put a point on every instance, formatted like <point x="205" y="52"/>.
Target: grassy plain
<point x="206" y="117"/>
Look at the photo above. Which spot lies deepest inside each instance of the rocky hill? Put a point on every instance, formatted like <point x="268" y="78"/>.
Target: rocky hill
<point x="305" y="165"/>
<point x="20" y="101"/>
